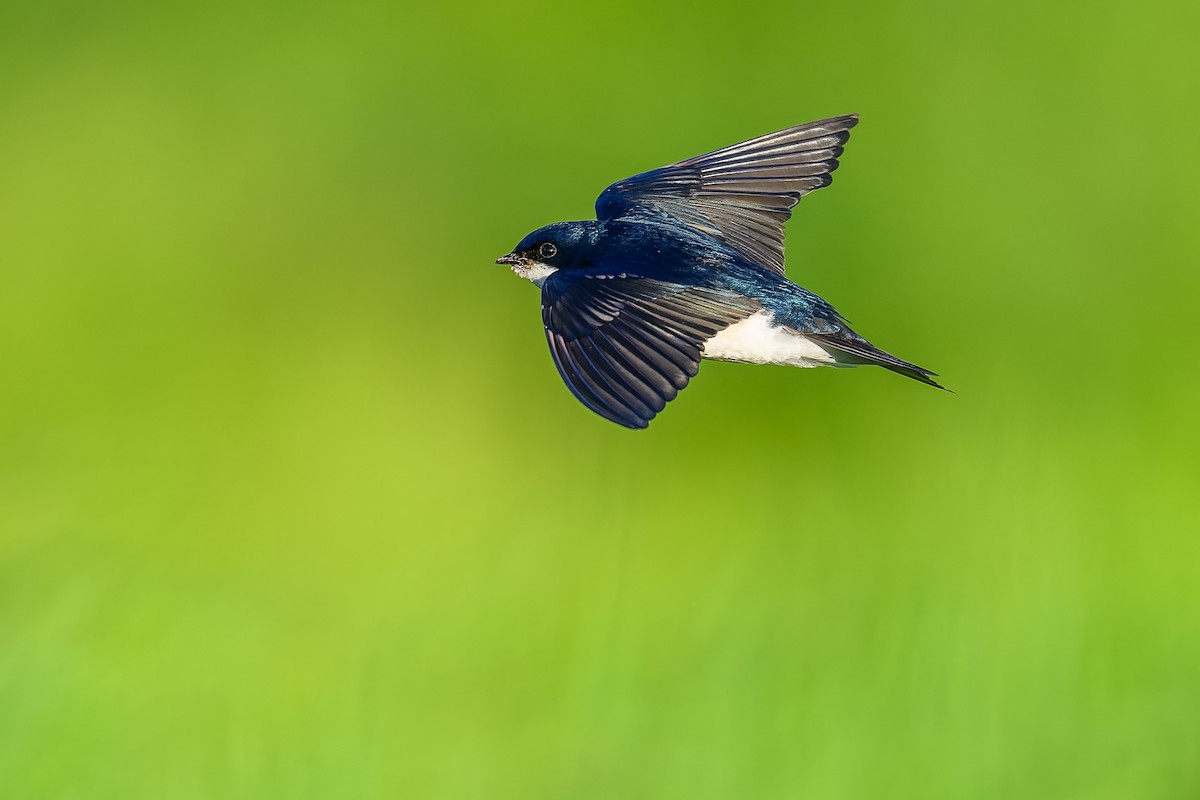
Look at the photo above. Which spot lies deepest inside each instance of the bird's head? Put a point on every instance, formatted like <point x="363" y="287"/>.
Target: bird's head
<point x="563" y="245"/>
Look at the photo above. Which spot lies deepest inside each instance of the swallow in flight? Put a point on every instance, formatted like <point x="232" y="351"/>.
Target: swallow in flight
<point x="685" y="262"/>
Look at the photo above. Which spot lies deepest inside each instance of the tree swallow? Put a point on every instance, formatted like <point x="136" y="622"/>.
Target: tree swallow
<point x="686" y="262"/>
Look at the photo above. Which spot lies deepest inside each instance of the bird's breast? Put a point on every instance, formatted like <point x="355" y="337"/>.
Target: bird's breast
<point x="757" y="340"/>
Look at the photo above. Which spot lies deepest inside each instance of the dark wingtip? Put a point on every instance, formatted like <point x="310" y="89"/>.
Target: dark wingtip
<point x="841" y="123"/>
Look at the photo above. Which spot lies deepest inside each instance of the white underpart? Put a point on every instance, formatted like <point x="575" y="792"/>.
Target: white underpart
<point x="535" y="271"/>
<point x="755" y="340"/>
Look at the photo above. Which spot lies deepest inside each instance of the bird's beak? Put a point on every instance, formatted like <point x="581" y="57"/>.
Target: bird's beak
<point x="510" y="259"/>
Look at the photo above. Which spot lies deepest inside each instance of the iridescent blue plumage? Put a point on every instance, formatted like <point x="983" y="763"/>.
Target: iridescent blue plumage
<point x="678" y="259"/>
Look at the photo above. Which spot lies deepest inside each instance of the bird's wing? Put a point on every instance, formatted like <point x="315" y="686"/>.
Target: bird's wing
<point x="626" y="346"/>
<point x="742" y="193"/>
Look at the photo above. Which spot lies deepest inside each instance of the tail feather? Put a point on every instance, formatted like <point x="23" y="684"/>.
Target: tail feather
<point x="859" y="350"/>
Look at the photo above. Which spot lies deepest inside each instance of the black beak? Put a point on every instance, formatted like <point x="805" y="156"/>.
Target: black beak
<point x="510" y="259"/>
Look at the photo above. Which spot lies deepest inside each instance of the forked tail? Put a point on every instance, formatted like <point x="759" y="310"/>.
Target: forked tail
<point x="857" y="350"/>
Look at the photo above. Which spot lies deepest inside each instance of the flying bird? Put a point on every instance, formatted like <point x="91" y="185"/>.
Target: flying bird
<point x="685" y="262"/>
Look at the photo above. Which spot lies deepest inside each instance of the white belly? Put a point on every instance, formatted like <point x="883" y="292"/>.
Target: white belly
<point x="755" y="341"/>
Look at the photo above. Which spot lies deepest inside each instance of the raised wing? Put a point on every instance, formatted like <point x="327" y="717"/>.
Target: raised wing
<point x="742" y="193"/>
<point x="626" y="346"/>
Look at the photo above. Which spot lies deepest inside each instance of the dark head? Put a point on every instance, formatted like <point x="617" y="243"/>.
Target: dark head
<point x="563" y="245"/>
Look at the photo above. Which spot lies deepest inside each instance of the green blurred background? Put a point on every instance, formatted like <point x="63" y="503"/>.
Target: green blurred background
<point x="293" y="503"/>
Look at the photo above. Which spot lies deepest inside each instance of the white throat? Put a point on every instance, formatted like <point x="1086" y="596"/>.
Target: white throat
<point x="535" y="271"/>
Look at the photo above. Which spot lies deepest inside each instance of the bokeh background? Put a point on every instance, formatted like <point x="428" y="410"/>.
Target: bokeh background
<point x="293" y="503"/>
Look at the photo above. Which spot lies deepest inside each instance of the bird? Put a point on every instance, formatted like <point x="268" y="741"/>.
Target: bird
<point x="685" y="263"/>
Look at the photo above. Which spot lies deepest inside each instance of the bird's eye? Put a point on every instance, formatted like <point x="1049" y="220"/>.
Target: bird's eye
<point x="548" y="250"/>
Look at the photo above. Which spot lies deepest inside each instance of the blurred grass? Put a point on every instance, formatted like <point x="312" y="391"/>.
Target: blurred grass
<point x="292" y="502"/>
